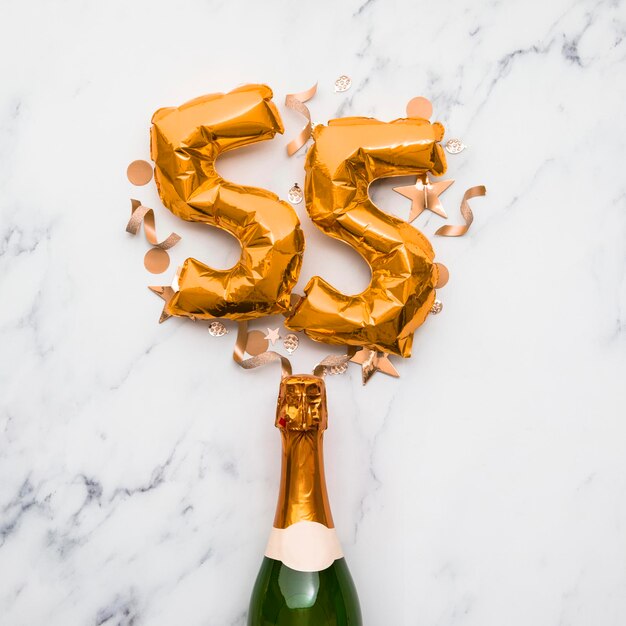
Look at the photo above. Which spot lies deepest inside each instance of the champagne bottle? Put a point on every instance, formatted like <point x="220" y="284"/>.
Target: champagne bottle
<point x="304" y="579"/>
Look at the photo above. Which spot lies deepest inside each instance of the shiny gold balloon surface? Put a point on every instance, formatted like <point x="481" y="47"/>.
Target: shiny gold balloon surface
<point x="185" y="143"/>
<point x="346" y="157"/>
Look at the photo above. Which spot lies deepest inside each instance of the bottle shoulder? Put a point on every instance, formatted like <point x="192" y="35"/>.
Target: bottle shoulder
<point x="286" y="597"/>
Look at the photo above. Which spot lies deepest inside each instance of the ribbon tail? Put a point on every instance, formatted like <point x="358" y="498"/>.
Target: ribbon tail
<point x="458" y="230"/>
<point x="295" y="101"/>
<point x="261" y="359"/>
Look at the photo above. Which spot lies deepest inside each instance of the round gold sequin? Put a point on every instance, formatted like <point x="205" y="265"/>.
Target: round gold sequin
<point x="419" y="107"/>
<point x="444" y="275"/>
<point x="156" y="260"/>
<point x="256" y="343"/>
<point x="139" y="173"/>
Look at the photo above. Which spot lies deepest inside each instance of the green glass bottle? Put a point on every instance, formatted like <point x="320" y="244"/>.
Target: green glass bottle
<point x="304" y="579"/>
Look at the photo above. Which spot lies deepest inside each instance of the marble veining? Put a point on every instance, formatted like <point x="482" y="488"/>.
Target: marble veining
<point x="139" y="465"/>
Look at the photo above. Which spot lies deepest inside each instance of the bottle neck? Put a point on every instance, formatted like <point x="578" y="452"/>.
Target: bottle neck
<point x="303" y="495"/>
<point x="301" y="417"/>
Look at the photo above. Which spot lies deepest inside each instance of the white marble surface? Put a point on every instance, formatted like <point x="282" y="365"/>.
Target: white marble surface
<point x="139" y="465"/>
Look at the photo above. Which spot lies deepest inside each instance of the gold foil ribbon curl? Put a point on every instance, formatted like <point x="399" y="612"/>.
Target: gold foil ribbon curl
<point x="295" y="101"/>
<point x="260" y="360"/>
<point x="458" y="230"/>
<point x="141" y="213"/>
<point x="333" y="360"/>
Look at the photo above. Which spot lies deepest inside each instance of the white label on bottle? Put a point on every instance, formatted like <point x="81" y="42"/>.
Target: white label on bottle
<point x="304" y="546"/>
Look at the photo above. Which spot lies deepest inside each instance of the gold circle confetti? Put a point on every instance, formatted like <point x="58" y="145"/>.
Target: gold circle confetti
<point x="256" y="343"/>
<point x="419" y="107"/>
<point x="139" y="173"/>
<point x="444" y="276"/>
<point x="156" y="260"/>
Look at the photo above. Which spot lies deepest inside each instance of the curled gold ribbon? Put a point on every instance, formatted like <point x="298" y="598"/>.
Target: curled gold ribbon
<point x="261" y="359"/>
<point x="333" y="360"/>
<point x="296" y="102"/>
<point x="139" y="214"/>
<point x="459" y="230"/>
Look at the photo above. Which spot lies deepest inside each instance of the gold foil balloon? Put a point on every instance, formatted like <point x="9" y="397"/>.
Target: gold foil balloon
<point x="185" y="143"/>
<point x="346" y="157"/>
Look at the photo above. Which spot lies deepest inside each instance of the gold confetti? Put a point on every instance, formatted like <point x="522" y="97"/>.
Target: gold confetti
<point x="139" y="173"/>
<point x="272" y="335"/>
<point x="372" y="361"/>
<point x="166" y="293"/>
<point x="424" y="194"/>
<point x="156" y="260"/>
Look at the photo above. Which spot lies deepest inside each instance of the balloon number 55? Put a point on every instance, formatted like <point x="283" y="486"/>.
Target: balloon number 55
<point x="347" y="155"/>
<point x="185" y="143"/>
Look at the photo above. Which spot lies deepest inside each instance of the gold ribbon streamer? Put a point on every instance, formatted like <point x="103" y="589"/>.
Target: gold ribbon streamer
<point x="295" y="101"/>
<point x="332" y="360"/>
<point x="261" y="359"/>
<point x="139" y="214"/>
<point x="458" y="230"/>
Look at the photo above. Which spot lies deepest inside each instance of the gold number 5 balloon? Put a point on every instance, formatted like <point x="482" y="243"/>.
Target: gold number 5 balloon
<point x="185" y="143"/>
<point x="346" y="157"/>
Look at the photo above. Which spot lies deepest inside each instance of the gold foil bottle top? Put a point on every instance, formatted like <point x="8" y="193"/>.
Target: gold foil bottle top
<point x="302" y="404"/>
<point x="301" y="417"/>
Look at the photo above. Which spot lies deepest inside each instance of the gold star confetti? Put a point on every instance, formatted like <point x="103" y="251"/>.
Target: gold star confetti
<point x="424" y="194"/>
<point x="372" y="361"/>
<point x="272" y="335"/>
<point x="166" y="293"/>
